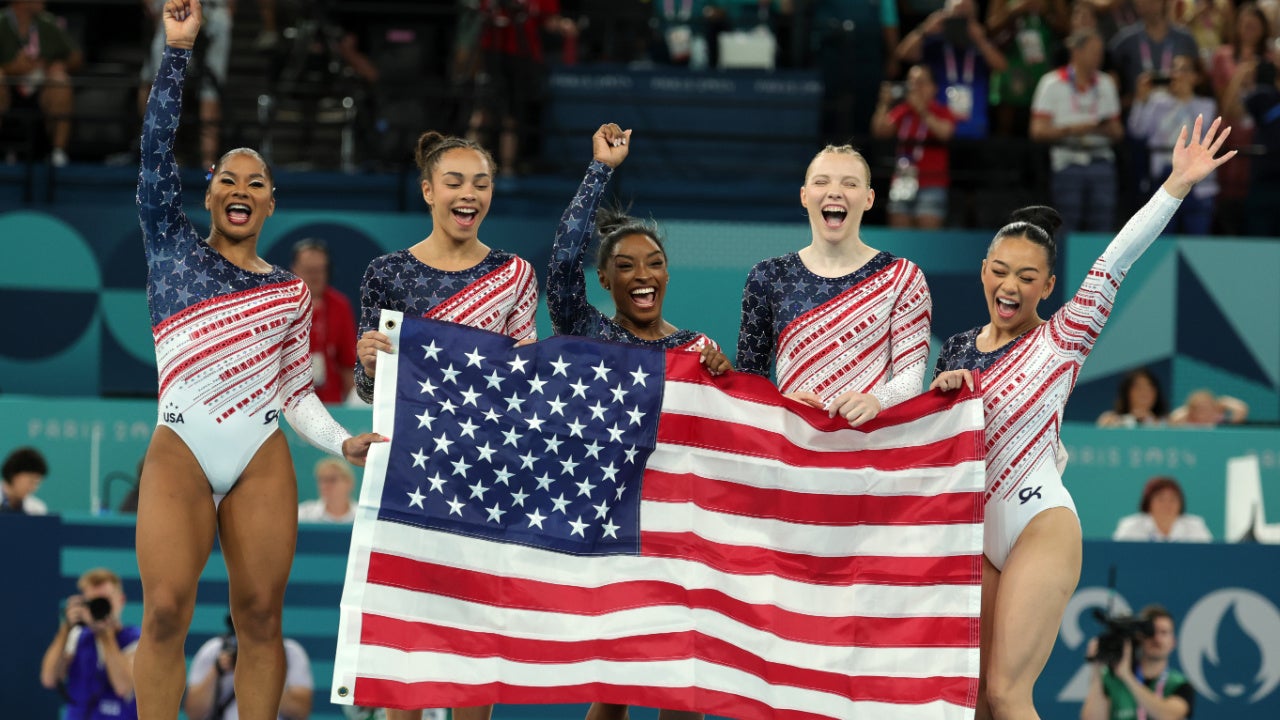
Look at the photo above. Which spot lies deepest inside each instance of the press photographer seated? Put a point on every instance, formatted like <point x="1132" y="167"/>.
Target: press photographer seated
<point x="211" y="693"/>
<point x="90" y="660"/>
<point x="1131" y="677"/>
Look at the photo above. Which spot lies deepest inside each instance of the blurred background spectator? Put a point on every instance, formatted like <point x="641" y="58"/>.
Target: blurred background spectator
<point x="1232" y="72"/>
<point x="1027" y="31"/>
<point x="335" y="483"/>
<point x="855" y="47"/>
<point x="37" y="57"/>
<point x="333" y="325"/>
<point x="1162" y="516"/>
<point x="1204" y="408"/>
<point x="24" y="470"/>
<point x="1139" y="401"/>
<point x="211" y="692"/>
<point x="923" y="126"/>
<point x="1263" y="104"/>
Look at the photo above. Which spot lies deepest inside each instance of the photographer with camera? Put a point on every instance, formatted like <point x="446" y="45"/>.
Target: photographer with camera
<point x="90" y="660"/>
<point x="1131" y="676"/>
<point x="211" y="693"/>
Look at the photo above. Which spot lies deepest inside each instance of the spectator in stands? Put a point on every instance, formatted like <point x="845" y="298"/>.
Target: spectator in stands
<point x="1077" y="110"/>
<point x="1263" y="104"/>
<point x="335" y="484"/>
<point x="1233" y="73"/>
<point x="1139" y="402"/>
<point x="333" y="324"/>
<point x="1156" y="117"/>
<point x="515" y="68"/>
<point x="210" y="66"/>
<point x="956" y="48"/>
<point x="24" y="470"/>
<point x="90" y="659"/>
<point x="1028" y="31"/>
<point x="1162" y="516"/>
<point x="1204" y="408"/>
<point x="212" y="694"/>
<point x="37" y="57"/>
<point x="923" y="126"/>
<point x="1144" y="685"/>
<point x="856" y="44"/>
<point x="1149" y="46"/>
<point x="1209" y="21"/>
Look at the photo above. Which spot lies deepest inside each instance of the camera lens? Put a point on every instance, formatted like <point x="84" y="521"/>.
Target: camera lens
<point x="99" y="608"/>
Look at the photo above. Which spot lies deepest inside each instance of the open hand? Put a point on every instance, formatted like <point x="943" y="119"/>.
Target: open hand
<point x="1196" y="156"/>
<point x="610" y="144"/>
<point x="356" y="449"/>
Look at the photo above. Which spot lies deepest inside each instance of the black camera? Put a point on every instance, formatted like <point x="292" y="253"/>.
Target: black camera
<point x="1118" y="631"/>
<point x="1160" y="80"/>
<point x="99" y="608"/>
<point x="230" y="645"/>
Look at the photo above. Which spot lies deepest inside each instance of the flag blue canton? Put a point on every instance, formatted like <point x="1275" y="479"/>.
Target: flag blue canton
<point x="541" y="445"/>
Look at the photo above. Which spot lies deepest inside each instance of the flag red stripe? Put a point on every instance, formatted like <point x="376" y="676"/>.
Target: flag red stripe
<point x="518" y="593"/>
<point x="810" y="508"/>
<point x="835" y="570"/>
<point x="424" y="637"/>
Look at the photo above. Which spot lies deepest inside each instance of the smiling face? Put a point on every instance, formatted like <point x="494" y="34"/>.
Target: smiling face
<point x="636" y="277"/>
<point x="1015" y="278"/>
<point x="459" y="193"/>
<point x="837" y="191"/>
<point x="239" y="197"/>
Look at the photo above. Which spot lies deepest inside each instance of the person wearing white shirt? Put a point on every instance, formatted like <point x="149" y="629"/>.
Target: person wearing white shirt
<point x="1162" y="517"/>
<point x="335" y="484"/>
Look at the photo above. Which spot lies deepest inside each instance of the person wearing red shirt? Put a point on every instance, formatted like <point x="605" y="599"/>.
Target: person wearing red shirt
<point x="921" y="176"/>
<point x="333" y="324"/>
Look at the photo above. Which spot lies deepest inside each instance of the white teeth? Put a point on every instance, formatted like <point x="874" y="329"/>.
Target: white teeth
<point x="238" y="206"/>
<point x="833" y="208"/>
<point x="466" y="211"/>
<point x="1006" y="301"/>
<point x="643" y="291"/>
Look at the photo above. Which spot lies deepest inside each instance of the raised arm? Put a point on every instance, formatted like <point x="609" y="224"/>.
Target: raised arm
<point x="566" y="284"/>
<point x="159" y="185"/>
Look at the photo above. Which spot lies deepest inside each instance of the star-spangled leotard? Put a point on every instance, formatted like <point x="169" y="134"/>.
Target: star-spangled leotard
<point x="500" y="293"/>
<point x="231" y="345"/>
<point x="865" y="332"/>
<point x="571" y="313"/>
<point x="1026" y="383"/>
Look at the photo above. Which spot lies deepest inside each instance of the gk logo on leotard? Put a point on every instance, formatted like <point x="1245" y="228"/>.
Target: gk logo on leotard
<point x="1026" y="493"/>
<point x="270" y="417"/>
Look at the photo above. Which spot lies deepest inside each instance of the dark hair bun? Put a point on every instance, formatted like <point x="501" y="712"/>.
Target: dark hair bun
<point x="611" y="217"/>
<point x="427" y="143"/>
<point x="1042" y="216"/>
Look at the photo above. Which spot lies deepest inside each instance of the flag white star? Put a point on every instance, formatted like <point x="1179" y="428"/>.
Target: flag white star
<point x="420" y="459"/>
<point x="602" y="372"/>
<point x="536" y="518"/>
<point x="631" y="454"/>
<point x="478" y="490"/>
<point x="576" y="428"/>
<point x="468" y="428"/>
<point x="610" y="472"/>
<point x="416" y="498"/>
<point x="442" y="443"/>
<point x="486" y="452"/>
<point x="568" y="466"/>
<point x="559" y="367"/>
<point x="637" y="377"/>
<point x="635" y="415"/>
<point x="544" y="481"/>
<point x="495" y="380"/>
<point x="518" y="364"/>
<point x="432" y="351"/>
<point x="553" y="444"/>
<point x="621" y="489"/>
<point x="557" y="407"/>
<point x="615" y="433"/>
<point x="559" y="504"/>
<point x="579" y="527"/>
<point x="526" y="461"/>
<point x="518" y="497"/>
<point x="597" y="411"/>
<point x="535" y="384"/>
<point x="469" y="396"/>
<point x="579" y="389"/>
<point x="496" y="512"/>
<point x="492" y="416"/>
<point x="437" y="483"/>
<point x="535" y="422"/>
<point x="585" y="487"/>
<point x="461" y="466"/>
<point x="447" y="406"/>
<point x="455" y="507"/>
<point x="618" y="393"/>
<point x="427" y="388"/>
<point x="502" y="475"/>
<point x="610" y="530"/>
<point x="425" y="419"/>
<point x="514" y="402"/>
<point x="450" y="375"/>
<point x="602" y="509"/>
<point x="511" y="437"/>
<point x="593" y="450"/>
<point x="474" y="357"/>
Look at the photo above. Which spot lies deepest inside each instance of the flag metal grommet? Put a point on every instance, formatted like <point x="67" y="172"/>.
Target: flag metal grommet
<point x="390" y="325"/>
<point x="343" y="691"/>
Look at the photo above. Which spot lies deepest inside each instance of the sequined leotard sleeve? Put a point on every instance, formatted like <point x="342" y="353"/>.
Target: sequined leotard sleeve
<point x="571" y="313"/>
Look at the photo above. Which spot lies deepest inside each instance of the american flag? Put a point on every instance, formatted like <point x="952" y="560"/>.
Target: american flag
<point x="578" y="520"/>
